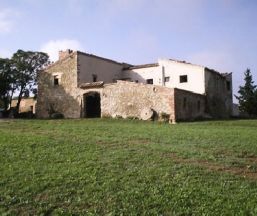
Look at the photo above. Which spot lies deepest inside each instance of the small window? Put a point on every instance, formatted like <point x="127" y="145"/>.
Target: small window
<point x="136" y="81"/>
<point x="149" y="81"/>
<point x="56" y="80"/>
<point x="94" y="77"/>
<point x="198" y="106"/>
<point x="228" y="86"/>
<point x="185" y="103"/>
<point x="183" y="79"/>
<point x="166" y="79"/>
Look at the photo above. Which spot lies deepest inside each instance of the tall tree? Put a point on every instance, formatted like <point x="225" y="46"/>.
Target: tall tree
<point x="7" y="82"/>
<point x="27" y="64"/>
<point x="248" y="95"/>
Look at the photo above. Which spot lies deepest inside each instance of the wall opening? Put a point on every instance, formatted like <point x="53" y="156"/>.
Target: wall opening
<point x="183" y="78"/>
<point x="228" y="85"/>
<point x="198" y="106"/>
<point x="92" y="105"/>
<point x="184" y="103"/>
<point x="56" y="80"/>
<point x="94" y="77"/>
<point x="149" y="81"/>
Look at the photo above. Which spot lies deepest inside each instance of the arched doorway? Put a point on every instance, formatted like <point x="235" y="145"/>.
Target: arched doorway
<point x="92" y="105"/>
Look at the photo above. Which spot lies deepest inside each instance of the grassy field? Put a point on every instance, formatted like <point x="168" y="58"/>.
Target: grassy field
<point x="115" y="167"/>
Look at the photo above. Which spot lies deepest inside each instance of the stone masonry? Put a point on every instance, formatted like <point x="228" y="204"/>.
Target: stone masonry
<point x="78" y="81"/>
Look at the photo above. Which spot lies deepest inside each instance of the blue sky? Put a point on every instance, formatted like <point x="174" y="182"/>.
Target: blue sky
<point x="220" y="34"/>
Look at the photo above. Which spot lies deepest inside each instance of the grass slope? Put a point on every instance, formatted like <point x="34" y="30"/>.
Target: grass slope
<point x="99" y="167"/>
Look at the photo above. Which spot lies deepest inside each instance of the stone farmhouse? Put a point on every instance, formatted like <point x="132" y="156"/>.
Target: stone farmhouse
<point x="81" y="85"/>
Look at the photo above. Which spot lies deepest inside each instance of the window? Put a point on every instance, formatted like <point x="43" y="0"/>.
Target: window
<point x="166" y="79"/>
<point x="56" y="80"/>
<point x="94" y="77"/>
<point x="183" y="79"/>
<point x="149" y="81"/>
<point x="136" y="81"/>
<point x="198" y="106"/>
<point x="228" y="86"/>
<point x="185" y="103"/>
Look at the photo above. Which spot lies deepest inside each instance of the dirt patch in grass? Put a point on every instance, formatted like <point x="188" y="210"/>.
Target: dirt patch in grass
<point x="245" y="172"/>
<point x="139" y="141"/>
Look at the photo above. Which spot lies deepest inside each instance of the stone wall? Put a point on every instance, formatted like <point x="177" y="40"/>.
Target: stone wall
<point x="218" y="96"/>
<point x="62" y="98"/>
<point x="188" y="105"/>
<point x="128" y="99"/>
<point x="26" y="105"/>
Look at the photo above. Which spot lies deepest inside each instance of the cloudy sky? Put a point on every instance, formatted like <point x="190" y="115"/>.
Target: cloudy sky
<point x="220" y="34"/>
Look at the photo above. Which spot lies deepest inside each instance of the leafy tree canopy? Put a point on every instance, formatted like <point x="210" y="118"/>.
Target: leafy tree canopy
<point x="7" y="82"/>
<point x="19" y="74"/>
<point x="26" y="65"/>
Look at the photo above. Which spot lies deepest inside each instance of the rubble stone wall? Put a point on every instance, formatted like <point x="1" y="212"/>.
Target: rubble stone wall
<point x="62" y="98"/>
<point x="188" y="105"/>
<point x="129" y="100"/>
<point x="218" y="94"/>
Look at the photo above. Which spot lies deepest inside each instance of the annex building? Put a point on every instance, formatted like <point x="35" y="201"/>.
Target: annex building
<point x="81" y="85"/>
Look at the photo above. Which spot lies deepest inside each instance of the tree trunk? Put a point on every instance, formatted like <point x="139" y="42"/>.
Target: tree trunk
<point x="6" y="103"/>
<point x="19" y="100"/>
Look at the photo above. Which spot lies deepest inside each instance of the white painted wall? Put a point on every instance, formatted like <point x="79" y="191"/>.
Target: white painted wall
<point x="173" y="70"/>
<point x="142" y="74"/>
<point x="195" y="75"/>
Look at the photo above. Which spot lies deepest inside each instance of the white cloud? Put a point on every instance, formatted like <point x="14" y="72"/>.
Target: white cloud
<point x="54" y="46"/>
<point x="6" y="20"/>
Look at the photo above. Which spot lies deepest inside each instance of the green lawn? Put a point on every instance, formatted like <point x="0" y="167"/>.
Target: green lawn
<point x="115" y="167"/>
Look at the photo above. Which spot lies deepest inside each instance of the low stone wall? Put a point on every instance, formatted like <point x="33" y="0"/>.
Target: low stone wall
<point x="131" y="100"/>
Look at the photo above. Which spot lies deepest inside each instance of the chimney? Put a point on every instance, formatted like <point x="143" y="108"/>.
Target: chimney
<point x="64" y="54"/>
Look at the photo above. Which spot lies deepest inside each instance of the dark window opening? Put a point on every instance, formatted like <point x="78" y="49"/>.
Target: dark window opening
<point x="166" y="79"/>
<point x="185" y="103"/>
<point x="136" y="81"/>
<point x="228" y="86"/>
<point x="56" y="81"/>
<point x="149" y="81"/>
<point x="198" y="105"/>
<point x="183" y="79"/>
<point x="94" y="78"/>
<point x="92" y="105"/>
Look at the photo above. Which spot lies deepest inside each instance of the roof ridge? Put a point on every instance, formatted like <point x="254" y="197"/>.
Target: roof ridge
<point x="102" y="58"/>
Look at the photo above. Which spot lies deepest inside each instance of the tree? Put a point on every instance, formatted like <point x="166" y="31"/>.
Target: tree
<point x="26" y="65"/>
<point x="248" y="95"/>
<point x="7" y="83"/>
